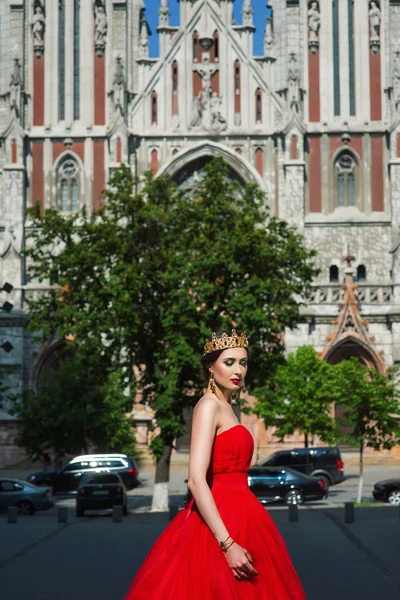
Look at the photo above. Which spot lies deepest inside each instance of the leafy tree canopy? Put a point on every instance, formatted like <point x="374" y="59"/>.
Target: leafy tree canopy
<point x="142" y="282"/>
<point x="299" y="398"/>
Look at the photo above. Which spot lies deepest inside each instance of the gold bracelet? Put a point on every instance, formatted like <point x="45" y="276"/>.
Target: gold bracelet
<point x="224" y="545"/>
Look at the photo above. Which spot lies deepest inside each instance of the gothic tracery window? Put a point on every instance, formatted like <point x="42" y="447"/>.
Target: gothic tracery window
<point x="68" y="187"/>
<point x="345" y="172"/>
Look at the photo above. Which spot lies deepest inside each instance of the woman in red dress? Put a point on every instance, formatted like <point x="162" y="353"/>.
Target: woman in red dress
<point x="223" y="545"/>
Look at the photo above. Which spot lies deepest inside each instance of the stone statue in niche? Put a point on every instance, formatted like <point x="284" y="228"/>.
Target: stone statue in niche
<point x="218" y="123"/>
<point x="314" y="24"/>
<point x="374" y="26"/>
<point x="206" y="70"/>
<point x="197" y="113"/>
<point x="119" y="86"/>
<point x="16" y="87"/>
<point x="100" y="20"/>
<point x="269" y="39"/>
<point x="38" y="28"/>
<point x="396" y="80"/>
<point x="293" y="84"/>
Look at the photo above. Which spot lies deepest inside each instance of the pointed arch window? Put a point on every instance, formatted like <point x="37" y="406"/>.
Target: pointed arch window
<point x="61" y="60"/>
<point x="215" y="49"/>
<point x="361" y="273"/>
<point x="175" y="76"/>
<point x="237" y="77"/>
<point x="68" y="186"/>
<point x="258" y="106"/>
<point x="154" y="108"/>
<point x="346" y="176"/>
<point x="195" y="46"/>
<point x="76" y="59"/>
<point x="333" y="274"/>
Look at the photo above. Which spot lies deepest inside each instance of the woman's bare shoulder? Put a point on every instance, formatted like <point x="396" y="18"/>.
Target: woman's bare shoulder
<point x="207" y="404"/>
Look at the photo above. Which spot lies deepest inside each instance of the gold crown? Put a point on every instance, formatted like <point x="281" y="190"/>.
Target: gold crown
<point x="226" y="341"/>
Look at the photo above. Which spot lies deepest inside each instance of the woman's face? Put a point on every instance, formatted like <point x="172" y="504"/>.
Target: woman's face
<point x="230" y="368"/>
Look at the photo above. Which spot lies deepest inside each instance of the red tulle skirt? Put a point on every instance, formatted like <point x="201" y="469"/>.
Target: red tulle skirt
<point x="186" y="562"/>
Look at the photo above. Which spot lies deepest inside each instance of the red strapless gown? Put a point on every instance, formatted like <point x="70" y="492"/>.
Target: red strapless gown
<point x="186" y="562"/>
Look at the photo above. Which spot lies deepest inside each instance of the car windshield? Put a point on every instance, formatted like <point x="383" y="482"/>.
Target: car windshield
<point x="100" y="478"/>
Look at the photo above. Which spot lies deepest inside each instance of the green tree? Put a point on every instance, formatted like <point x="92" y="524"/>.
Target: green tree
<point x="73" y="412"/>
<point x="370" y="403"/>
<point x="144" y="280"/>
<point x="298" y="397"/>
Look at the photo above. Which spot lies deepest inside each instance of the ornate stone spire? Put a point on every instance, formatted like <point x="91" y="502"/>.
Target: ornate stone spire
<point x="163" y="14"/>
<point x="247" y="13"/>
<point x="144" y="40"/>
<point x="269" y="38"/>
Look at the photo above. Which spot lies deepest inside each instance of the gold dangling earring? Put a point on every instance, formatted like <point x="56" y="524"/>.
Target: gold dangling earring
<point x="212" y="384"/>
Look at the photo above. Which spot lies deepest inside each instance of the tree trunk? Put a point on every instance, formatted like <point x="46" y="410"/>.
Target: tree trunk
<point x="306" y="440"/>
<point x="361" y="479"/>
<point x="161" y="481"/>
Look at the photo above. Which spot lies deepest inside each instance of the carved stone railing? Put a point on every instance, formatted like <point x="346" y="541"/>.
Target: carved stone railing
<point x="366" y="294"/>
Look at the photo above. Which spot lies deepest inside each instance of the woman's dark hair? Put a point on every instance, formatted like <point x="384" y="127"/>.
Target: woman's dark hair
<point x="210" y="358"/>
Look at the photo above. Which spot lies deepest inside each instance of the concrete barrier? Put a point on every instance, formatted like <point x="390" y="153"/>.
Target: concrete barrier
<point x="349" y="512"/>
<point x="62" y="514"/>
<point x="12" y="514"/>
<point x="293" y="513"/>
<point x="117" y="514"/>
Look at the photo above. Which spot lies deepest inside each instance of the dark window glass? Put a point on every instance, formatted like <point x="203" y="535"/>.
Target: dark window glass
<point x="216" y="45"/>
<point x="333" y="274"/>
<point x="61" y="60"/>
<point x="76" y="59"/>
<point x="154" y="108"/>
<point x="258" y="106"/>
<point x="352" y="93"/>
<point x="175" y="77"/>
<point x="100" y="478"/>
<point x="361" y="273"/>
<point x="237" y="77"/>
<point x="195" y="47"/>
<point x="336" y="71"/>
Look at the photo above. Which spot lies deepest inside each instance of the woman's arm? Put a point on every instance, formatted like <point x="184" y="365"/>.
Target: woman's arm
<point x="205" y="421"/>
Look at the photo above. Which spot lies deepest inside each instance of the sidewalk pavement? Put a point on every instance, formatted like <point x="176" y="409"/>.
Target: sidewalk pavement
<point x="96" y="558"/>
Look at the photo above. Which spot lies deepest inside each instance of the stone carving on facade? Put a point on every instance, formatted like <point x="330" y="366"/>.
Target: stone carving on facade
<point x="247" y="13"/>
<point x="119" y="88"/>
<point x="101" y="25"/>
<point x="314" y="24"/>
<point x="38" y="26"/>
<point x="374" y="26"/>
<point x="144" y="40"/>
<point x="16" y="87"/>
<point x="295" y="195"/>
<point x="163" y="14"/>
<point x="269" y="40"/>
<point x="293" y="86"/>
<point x="12" y="215"/>
<point x="206" y="106"/>
<point x="396" y="80"/>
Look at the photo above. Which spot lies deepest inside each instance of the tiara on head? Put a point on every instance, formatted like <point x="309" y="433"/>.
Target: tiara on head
<point x="226" y="341"/>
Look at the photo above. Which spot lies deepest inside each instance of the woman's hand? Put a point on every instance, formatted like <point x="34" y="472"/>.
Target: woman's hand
<point x="239" y="560"/>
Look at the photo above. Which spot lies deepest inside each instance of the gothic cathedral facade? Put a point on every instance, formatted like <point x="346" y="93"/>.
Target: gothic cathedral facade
<point x="314" y="121"/>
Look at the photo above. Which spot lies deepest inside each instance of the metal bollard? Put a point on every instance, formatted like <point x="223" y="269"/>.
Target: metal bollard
<point x="173" y="511"/>
<point x="293" y="513"/>
<point x="12" y="514"/>
<point x="62" y="514"/>
<point x="349" y="512"/>
<point x="117" y="514"/>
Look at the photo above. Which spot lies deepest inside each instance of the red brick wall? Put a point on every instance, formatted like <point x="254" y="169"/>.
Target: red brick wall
<point x="313" y="87"/>
<point x="375" y="86"/>
<point x="260" y="161"/>
<point x="38" y="90"/>
<point x="99" y="175"/>
<point x="314" y="173"/>
<point x="377" y="170"/>
<point x="99" y="90"/>
<point x="37" y="177"/>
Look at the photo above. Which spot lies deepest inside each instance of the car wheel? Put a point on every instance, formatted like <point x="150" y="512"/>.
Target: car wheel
<point x="394" y="497"/>
<point x="25" y="507"/>
<point x="294" y="497"/>
<point x="326" y="481"/>
<point x="80" y="512"/>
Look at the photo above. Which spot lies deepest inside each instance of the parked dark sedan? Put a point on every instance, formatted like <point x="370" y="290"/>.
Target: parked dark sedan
<point x="271" y="484"/>
<point x="26" y="497"/>
<point x="387" y="491"/>
<point x="98" y="491"/>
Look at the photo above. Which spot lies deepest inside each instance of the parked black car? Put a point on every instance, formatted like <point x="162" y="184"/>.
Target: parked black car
<point x="325" y="463"/>
<point x="66" y="479"/>
<point x="271" y="484"/>
<point x="98" y="491"/>
<point x="387" y="491"/>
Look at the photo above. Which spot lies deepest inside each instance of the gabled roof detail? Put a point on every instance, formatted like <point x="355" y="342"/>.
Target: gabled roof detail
<point x="350" y="328"/>
<point x="13" y="127"/>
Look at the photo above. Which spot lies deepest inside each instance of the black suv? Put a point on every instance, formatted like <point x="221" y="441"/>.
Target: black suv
<point x="326" y="462"/>
<point x="66" y="479"/>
